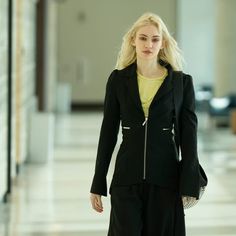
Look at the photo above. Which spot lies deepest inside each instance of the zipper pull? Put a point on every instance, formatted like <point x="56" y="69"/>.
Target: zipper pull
<point x="173" y="129"/>
<point x="145" y="121"/>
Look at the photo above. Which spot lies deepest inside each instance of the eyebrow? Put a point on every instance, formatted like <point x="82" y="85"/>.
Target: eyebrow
<point x="154" y="36"/>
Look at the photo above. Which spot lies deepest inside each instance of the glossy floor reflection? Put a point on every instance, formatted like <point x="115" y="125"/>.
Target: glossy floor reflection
<point x="52" y="199"/>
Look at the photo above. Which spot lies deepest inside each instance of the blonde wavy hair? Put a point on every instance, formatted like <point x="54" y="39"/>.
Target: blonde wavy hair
<point x="170" y="54"/>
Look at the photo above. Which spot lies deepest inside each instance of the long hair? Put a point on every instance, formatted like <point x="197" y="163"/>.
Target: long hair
<point x="170" y="54"/>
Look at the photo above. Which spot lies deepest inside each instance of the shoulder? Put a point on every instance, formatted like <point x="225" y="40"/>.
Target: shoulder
<point x="185" y="81"/>
<point x="188" y="83"/>
<point x="127" y="71"/>
<point x="121" y="75"/>
<point x="114" y="78"/>
<point x="187" y="78"/>
<point x="184" y="75"/>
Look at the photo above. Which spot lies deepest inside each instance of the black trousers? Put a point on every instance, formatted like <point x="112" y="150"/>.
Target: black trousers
<point x="146" y="210"/>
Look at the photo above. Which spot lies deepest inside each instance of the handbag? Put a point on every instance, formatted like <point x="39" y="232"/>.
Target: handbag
<point x="191" y="201"/>
<point x="178" y="98"/>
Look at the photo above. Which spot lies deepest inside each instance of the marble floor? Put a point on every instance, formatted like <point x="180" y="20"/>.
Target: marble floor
<point x="52" y="199"/>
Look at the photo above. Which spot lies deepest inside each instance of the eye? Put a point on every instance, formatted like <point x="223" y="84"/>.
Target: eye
<point x="155" y="40"/>
<point x="142" y="38"/>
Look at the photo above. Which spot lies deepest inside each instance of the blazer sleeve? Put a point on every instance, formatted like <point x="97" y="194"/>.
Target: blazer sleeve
<point x="108" y="137"/>
<point x="189" y="176"/>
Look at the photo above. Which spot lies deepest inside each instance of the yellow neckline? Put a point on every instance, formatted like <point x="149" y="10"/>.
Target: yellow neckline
<point x="148" y="78"/>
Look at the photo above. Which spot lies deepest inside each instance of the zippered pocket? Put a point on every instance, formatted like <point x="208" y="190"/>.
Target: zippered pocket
<point x="165" y="129"/>
<point x="169" y="129"/>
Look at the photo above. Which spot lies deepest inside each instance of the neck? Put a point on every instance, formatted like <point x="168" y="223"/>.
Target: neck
<point x="149" y="68"/>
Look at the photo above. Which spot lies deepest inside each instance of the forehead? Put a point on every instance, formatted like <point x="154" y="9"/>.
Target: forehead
<point x="149" y="30"/>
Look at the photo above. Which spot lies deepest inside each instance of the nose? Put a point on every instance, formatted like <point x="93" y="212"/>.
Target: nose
<point x="148" y="44"/>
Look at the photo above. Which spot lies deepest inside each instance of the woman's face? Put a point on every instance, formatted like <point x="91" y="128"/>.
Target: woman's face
<point x="148" y="42"/>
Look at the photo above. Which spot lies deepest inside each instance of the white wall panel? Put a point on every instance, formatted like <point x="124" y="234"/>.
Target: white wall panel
<point x="196" y="35"/>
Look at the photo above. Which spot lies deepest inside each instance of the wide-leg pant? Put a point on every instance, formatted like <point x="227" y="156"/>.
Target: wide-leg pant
<point x="146" y="210"/>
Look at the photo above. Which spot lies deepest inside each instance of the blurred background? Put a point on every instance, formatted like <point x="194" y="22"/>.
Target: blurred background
<point x="55" y="58"/>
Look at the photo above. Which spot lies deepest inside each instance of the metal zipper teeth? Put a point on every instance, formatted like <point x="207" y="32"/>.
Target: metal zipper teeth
<point x="145" y="148"/>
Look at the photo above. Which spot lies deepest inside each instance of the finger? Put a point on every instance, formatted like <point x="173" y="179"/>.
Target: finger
<point x="94" y="202"/>
<point x="98" y="203"/>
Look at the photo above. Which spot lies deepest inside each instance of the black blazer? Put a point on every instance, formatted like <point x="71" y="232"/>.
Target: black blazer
<point x="150" y="149"/>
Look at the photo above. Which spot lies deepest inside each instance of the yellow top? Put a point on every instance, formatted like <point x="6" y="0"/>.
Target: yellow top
<point x="148" y="87"/>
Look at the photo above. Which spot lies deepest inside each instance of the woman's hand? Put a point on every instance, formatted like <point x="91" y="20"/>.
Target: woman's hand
<point x="96" y="202"/>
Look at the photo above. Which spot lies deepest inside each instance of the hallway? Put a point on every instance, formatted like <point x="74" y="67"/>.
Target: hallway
<point x="53" y="199"/>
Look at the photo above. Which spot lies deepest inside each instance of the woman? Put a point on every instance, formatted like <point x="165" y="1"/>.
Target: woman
<point x="148" y="188"/>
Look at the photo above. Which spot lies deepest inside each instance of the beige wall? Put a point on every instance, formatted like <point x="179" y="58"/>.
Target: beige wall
<point x="90" y="35"/>
<point x="24" y="101"/>
<point x="50" y="62"/>
<point x="225" y="48"/>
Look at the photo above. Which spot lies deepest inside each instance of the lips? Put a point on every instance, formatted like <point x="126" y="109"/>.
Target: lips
<point x="147" y="52"/>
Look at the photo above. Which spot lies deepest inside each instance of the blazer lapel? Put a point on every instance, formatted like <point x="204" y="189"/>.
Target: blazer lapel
<point x="166" y="86"/>
<point x="132" y="84"/>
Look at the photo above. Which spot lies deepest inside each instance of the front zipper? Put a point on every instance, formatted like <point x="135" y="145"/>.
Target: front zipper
<point x="173" y="139"/>
<point x="145" y="148"/>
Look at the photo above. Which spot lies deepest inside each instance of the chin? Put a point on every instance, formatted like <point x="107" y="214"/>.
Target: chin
<point x="148" y="57"/>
